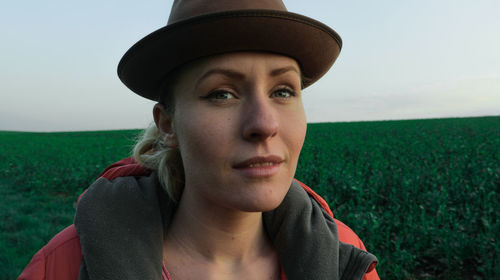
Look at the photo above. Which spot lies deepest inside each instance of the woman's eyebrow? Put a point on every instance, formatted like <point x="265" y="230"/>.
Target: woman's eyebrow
<point x="221" y="71"/>
<point x="279" y="71"/>
<point x="240" y="76"/>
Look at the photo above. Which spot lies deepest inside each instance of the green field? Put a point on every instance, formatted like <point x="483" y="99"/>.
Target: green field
<point x="422" y="194"/>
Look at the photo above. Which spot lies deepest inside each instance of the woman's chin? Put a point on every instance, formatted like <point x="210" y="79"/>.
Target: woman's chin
<point x="261" y="196"/>
<point x="262" y="203"/>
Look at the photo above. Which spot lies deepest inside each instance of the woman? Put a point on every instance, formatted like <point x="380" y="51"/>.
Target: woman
<point x="210" y="192"/>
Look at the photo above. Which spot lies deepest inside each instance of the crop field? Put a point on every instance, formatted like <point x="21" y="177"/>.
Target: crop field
<point x="423" y="195"/>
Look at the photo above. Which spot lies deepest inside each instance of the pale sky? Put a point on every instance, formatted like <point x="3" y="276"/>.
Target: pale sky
<point x="400" y="60"/>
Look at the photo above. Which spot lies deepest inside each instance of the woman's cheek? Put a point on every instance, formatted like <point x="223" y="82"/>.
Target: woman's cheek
<point x="202" y="135"/>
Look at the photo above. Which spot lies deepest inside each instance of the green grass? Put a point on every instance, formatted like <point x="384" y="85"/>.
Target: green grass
<point x="422" y="194"/>
<point x="41" y="176"/>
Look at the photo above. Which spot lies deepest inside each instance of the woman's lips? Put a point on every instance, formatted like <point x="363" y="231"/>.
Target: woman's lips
<point x="262" y="166"/>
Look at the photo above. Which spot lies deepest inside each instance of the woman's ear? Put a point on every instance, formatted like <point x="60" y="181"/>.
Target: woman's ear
<point x="165" y="125"/>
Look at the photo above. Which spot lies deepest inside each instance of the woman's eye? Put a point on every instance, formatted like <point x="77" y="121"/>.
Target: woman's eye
<point x="220" y="95"/>
<point x="283" y="93"/>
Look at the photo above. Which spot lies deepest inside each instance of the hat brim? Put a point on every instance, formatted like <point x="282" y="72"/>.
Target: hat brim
<point x="146" y="64"/>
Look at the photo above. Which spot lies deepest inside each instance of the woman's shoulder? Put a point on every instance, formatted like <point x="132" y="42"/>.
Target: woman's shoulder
<point x="346" y="234"/>
<point x="59" y="259"/>
<point x="125" y="167"/>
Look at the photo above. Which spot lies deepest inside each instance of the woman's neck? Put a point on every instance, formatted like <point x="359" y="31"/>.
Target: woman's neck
<point x="217" y="235"/>
<point x="204" y="241"/>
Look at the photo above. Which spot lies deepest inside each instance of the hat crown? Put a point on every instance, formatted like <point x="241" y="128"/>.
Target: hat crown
<point x="185" y="9"/>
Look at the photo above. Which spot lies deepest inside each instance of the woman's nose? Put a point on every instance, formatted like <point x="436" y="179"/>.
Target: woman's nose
<point x="260" y="121"/>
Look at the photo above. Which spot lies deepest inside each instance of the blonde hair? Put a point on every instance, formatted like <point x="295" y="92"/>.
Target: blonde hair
<point x="150" y="152"/>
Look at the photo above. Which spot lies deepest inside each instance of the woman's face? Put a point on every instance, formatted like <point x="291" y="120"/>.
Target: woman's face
<point x="239" y="123"/>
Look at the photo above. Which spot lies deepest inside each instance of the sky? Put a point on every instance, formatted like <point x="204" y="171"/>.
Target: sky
<point x="400" y="60"/>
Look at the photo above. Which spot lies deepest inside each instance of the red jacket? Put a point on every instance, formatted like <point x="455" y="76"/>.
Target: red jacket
<point x="60" y="259"/>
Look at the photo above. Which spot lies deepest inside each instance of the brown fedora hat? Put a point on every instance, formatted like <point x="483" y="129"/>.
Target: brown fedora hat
<point x="200" y="28"/>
